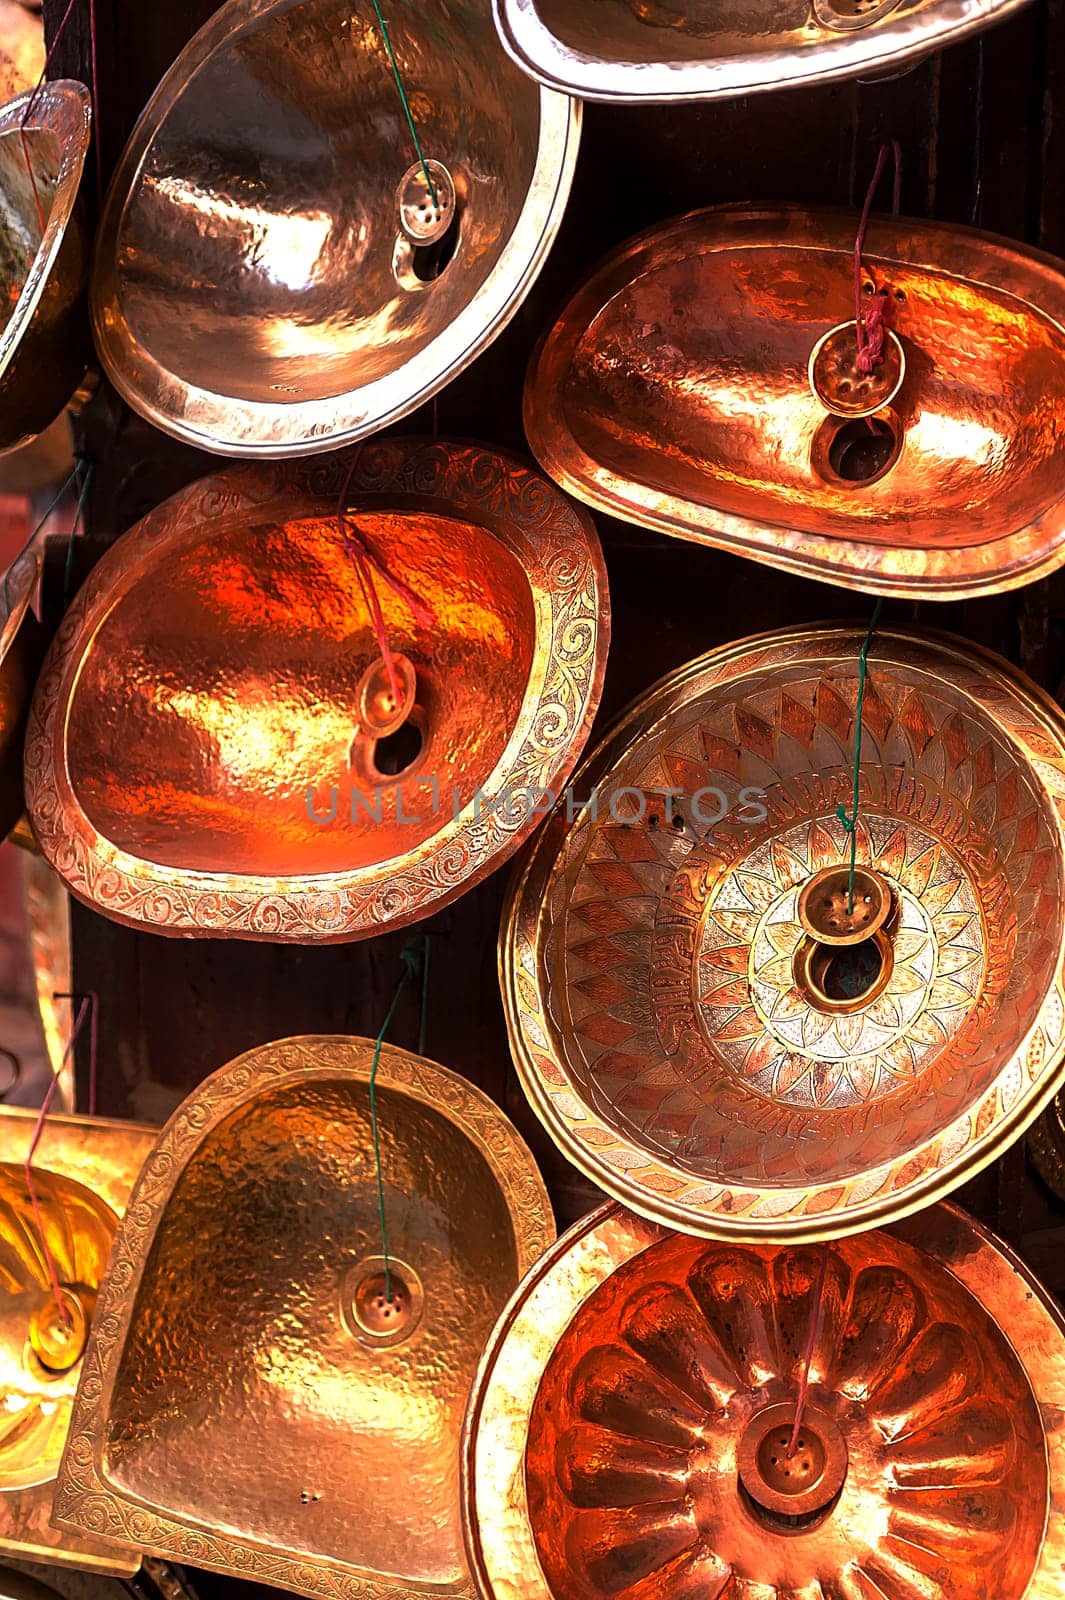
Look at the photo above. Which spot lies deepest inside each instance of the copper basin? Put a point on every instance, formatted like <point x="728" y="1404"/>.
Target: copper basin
<point x="710" y="50"/>
<point x="44" y="345"/>
<point x="629" y="1433"/>
<point x="83" y="1173"/>
<point x="259" y="1410"/>
<point x="199" y="758"/>
<point x="674" y="392"/>
<point x="662" y="1008"/>
<point x="259" y="288"/>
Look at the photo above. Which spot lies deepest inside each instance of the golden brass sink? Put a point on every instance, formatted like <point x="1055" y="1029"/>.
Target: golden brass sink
<point x="83" y="1173"/>
<point x="271" y="277"/>
<point x="262" y="1408"/>
<point x="631" y="1427"/>
<point x="713" y="49"/>
<point x="686" y="1038"/>
<point x="674" y="392"/>
<point x="204" y="754"/>
<point x="44" y="344"/>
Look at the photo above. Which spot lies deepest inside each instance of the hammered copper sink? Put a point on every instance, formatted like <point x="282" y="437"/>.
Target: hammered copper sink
<point x="690" y="1027"/>
<point x="674" y="392"/>
<point x="272" y="275"/>
<point x="83" y="1171"/>
<point x="630" y="1433"/>
<point x="258" y="1404"/>
<point x="710" y="49"/>
<point x="205" y="754"/>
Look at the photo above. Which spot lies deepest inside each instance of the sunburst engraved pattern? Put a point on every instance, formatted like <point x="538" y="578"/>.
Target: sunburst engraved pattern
<point x="633" y="1458"/>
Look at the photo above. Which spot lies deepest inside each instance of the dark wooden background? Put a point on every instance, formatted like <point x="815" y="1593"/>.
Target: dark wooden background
<point x="982" y="128"/>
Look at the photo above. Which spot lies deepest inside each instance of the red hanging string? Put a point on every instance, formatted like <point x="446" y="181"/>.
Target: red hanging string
<point x="816" y="1314"/>
<point x="871" y="328"/>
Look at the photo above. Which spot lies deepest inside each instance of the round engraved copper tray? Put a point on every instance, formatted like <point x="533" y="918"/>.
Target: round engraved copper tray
<point x="255" y="291"/>
<point x="653" y="956"/>
<point x="44" y="343"/>
<point x="674" y="392"/>
<point x="198" y="759"/>
<point x="254" y="1407"/>
<point x="708" y="50"/>
<point x="629" y="1429"/>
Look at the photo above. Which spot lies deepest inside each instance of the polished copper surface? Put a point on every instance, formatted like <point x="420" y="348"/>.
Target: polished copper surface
<point x="22" y="646"/>
<point x="674" y="392"/>
<point x="83" y="1173"/>
<point x="684" y="1039"/>
<point x="629" y="1430"/>
<point x="265" y="281"/>
<point x="256" y="1408"/>
<point x="712" y="49"/>
<point x="44" y="343"/>
<point x="199" y="760"/>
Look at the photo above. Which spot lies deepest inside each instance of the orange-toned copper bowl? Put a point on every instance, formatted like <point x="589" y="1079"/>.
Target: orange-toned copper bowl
<point x="44" y="341"/>
<point x="709" y="50"/>
<point x="672" y="1026"/>
<point x="629" y="1432"/>
<point x="201" y="757"/>
<point x="258" y="1404"/>
<point x="674" y="392"/>
<point x="271" y="277"/>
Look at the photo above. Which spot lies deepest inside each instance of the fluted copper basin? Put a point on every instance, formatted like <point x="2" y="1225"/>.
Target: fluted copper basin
<point x="83" y="1172"/>
<point x="262" y="1406"/>
<point x="271" y="276"/>
<point x="706" y="50"/>
<point x="631" y="1426"/>
<point x="687" y="1041"/>
<point x="674" y="391"/>
<point x="44" y="343"/>
<point x="202" y="757"/>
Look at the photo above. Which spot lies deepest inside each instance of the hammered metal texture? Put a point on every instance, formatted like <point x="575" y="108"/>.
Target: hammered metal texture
<point x="605" y="1444"/>
<point x="84" y="1170"/>
<point x="253" y="290"/>
<point x="195" y="762"/>
<point x="714" y="49"/>
<point x="44" y="342"/>
<point x="237" y="1416"/>
<point x="674" y="392"/>
<point x="650" y="970"/>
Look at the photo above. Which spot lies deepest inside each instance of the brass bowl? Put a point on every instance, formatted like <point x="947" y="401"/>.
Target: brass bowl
<point x="674" y="392"/>
<point x="661" y="1013"/>
<point x="700" y="49"/>
<point x="83" y="1172"/>
<point x="44" y="344"/>
<point x="256" y="1409"/>
<point x="257" y="287"/>
<point x="198" y="759"/>
<point x="630" y="1425"/>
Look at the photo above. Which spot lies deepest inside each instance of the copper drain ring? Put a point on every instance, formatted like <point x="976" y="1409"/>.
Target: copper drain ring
<point x="382" y="1302"/>
<point x="797" y="1489"/>
<point x="846" y="960"/>
<point x="58" y="1341"/>
<point x="828" y="912"/>
<point x="838" y="384"/>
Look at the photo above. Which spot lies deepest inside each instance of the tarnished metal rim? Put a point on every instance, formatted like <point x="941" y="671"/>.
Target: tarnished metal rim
<point x="887" y="47"/>
<point x="890" y="1191"/>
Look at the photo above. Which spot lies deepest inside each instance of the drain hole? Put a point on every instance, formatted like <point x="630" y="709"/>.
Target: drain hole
<point x="398" y="751"/>
<point x="861" y="449"/>
<point x="850" y="971"/>
<point x="428" y="261"/>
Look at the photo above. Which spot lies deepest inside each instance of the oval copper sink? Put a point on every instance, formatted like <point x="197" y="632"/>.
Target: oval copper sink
<point x="83" y="1171"/>
<point x="200" y="757"/>
<point x="674" y="392"/>
<point x="271" y="276"/>
<point x="44" y="342"/>
<point x="684" y="1037"/>
<point x="262" y="1408"/>
<point x="702" y="49"/>
<point x="631" y="1427"/>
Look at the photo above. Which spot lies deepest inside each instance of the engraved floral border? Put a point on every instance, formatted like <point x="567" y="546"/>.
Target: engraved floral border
<point x="661" y="1191"/>
<point x="557" y="545"/>
<point x="84" y="1498"/>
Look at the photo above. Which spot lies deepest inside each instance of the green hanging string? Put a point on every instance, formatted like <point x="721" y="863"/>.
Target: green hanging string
<point x="82" y="497"/>
<point x="414" y="961"/>
<point x="383" y="25"/>
<point x="849" y="818"/>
